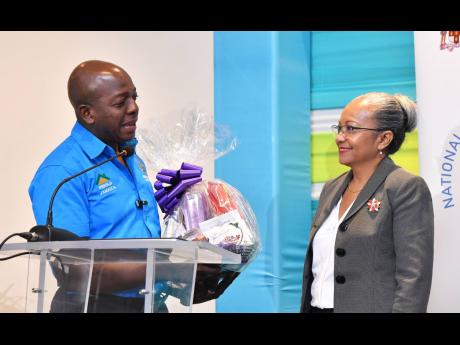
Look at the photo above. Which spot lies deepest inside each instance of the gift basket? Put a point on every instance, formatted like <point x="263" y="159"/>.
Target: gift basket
<point x="195" y="208"/>
<point x="210" y="211"/>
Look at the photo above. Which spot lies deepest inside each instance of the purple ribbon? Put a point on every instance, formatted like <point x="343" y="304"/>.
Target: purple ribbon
<point x="171" y="185"/>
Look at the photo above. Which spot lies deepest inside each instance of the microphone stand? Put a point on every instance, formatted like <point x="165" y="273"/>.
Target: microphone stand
<point x="46" y="232"/>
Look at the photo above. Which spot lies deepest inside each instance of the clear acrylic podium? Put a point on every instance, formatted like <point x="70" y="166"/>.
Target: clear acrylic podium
<point x="157" y="271"/>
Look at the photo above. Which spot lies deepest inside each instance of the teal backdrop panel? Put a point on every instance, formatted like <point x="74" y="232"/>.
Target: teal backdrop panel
<point x="262" y="91"/>
<point x="346" y="64"/>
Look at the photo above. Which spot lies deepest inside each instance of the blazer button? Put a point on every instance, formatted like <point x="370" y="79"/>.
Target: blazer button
<point x="340" y="252"/>
<point x="343" y="227"/>
<point x="340" y="279"/>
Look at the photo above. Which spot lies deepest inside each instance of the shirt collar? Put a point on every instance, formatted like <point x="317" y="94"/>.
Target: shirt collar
<point x="90" y="144"/>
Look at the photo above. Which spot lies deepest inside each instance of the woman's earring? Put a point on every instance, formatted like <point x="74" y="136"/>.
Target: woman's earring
<point x="381" y="152"/>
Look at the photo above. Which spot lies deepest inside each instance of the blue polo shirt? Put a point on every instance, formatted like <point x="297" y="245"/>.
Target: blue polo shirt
<point x="100" y="203"/>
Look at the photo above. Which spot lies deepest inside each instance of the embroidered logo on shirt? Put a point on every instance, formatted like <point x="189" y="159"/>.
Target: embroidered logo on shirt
<point x="101" y="179"/>
<point x="104" y="184"/>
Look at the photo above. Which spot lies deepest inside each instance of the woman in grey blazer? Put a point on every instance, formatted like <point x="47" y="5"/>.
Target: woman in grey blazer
<point x="371" y="241"/>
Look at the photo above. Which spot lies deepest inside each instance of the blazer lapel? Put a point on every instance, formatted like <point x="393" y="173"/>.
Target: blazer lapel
<point x="331" y="199"/>
<point x="380" y="174"/>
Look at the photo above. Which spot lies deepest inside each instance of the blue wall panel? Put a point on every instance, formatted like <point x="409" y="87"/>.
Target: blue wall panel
<point x="262" y="92"/>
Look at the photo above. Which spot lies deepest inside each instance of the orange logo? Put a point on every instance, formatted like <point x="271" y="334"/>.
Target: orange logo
<point x="450" y="40"/>
<point x="101" y="179"/>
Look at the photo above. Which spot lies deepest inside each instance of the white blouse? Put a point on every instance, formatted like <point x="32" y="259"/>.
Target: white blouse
<point x="322" y="288"/>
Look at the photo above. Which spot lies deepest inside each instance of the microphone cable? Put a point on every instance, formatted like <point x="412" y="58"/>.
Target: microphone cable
<point x="25" y="235"/>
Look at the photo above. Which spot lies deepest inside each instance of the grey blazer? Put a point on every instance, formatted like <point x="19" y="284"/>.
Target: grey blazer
<point x="383" y="260"/>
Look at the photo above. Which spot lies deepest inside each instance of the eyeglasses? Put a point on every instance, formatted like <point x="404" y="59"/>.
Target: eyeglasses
<point x="347" y="129"/>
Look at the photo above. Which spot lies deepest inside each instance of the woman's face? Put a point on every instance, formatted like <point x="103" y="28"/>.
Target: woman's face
<point x="357" y="146"/>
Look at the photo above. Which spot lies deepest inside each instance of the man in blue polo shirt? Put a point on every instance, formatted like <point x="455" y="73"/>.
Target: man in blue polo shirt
<point x="114" y="200"/>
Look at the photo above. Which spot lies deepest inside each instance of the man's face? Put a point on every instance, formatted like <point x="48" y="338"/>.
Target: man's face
<point x="114" y="108"/>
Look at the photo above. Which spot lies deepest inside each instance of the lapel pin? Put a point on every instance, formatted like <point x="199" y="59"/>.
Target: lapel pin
<point x="373" y="205"/>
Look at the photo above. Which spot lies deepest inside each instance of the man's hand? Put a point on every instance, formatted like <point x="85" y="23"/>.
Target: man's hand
<point x="211" y="282"/>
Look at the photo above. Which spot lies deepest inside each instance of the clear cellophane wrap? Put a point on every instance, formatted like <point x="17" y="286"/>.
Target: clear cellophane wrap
<point x="207" y="210"/>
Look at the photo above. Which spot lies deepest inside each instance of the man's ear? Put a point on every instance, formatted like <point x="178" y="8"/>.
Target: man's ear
<point x="385" y="139"/>
<point x="86" y="114"/>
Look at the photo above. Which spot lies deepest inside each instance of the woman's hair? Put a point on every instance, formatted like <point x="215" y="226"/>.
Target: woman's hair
<point x="397" y="113"/>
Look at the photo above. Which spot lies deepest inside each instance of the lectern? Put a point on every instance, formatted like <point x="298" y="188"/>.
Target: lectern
<point x="31" y="281"/>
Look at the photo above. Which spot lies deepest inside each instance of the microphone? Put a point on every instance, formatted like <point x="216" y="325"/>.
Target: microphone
<point x="48" y="232"/>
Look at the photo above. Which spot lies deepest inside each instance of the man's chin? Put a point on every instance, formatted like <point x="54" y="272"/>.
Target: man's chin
<point x="127" y="137"/>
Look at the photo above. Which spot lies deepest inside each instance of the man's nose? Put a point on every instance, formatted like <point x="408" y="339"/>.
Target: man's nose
<point x="133" y="107"/>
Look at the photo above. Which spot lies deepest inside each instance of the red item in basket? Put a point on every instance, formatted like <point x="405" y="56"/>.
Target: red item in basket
<point x="220" y="200"/>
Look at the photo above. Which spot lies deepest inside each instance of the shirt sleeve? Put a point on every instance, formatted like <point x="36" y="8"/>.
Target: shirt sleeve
<point x="70" y="207"/>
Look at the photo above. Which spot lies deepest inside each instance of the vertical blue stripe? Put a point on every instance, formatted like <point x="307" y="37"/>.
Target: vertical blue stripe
<point x="262" y="92"/>
<point x="293" y="162"/>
